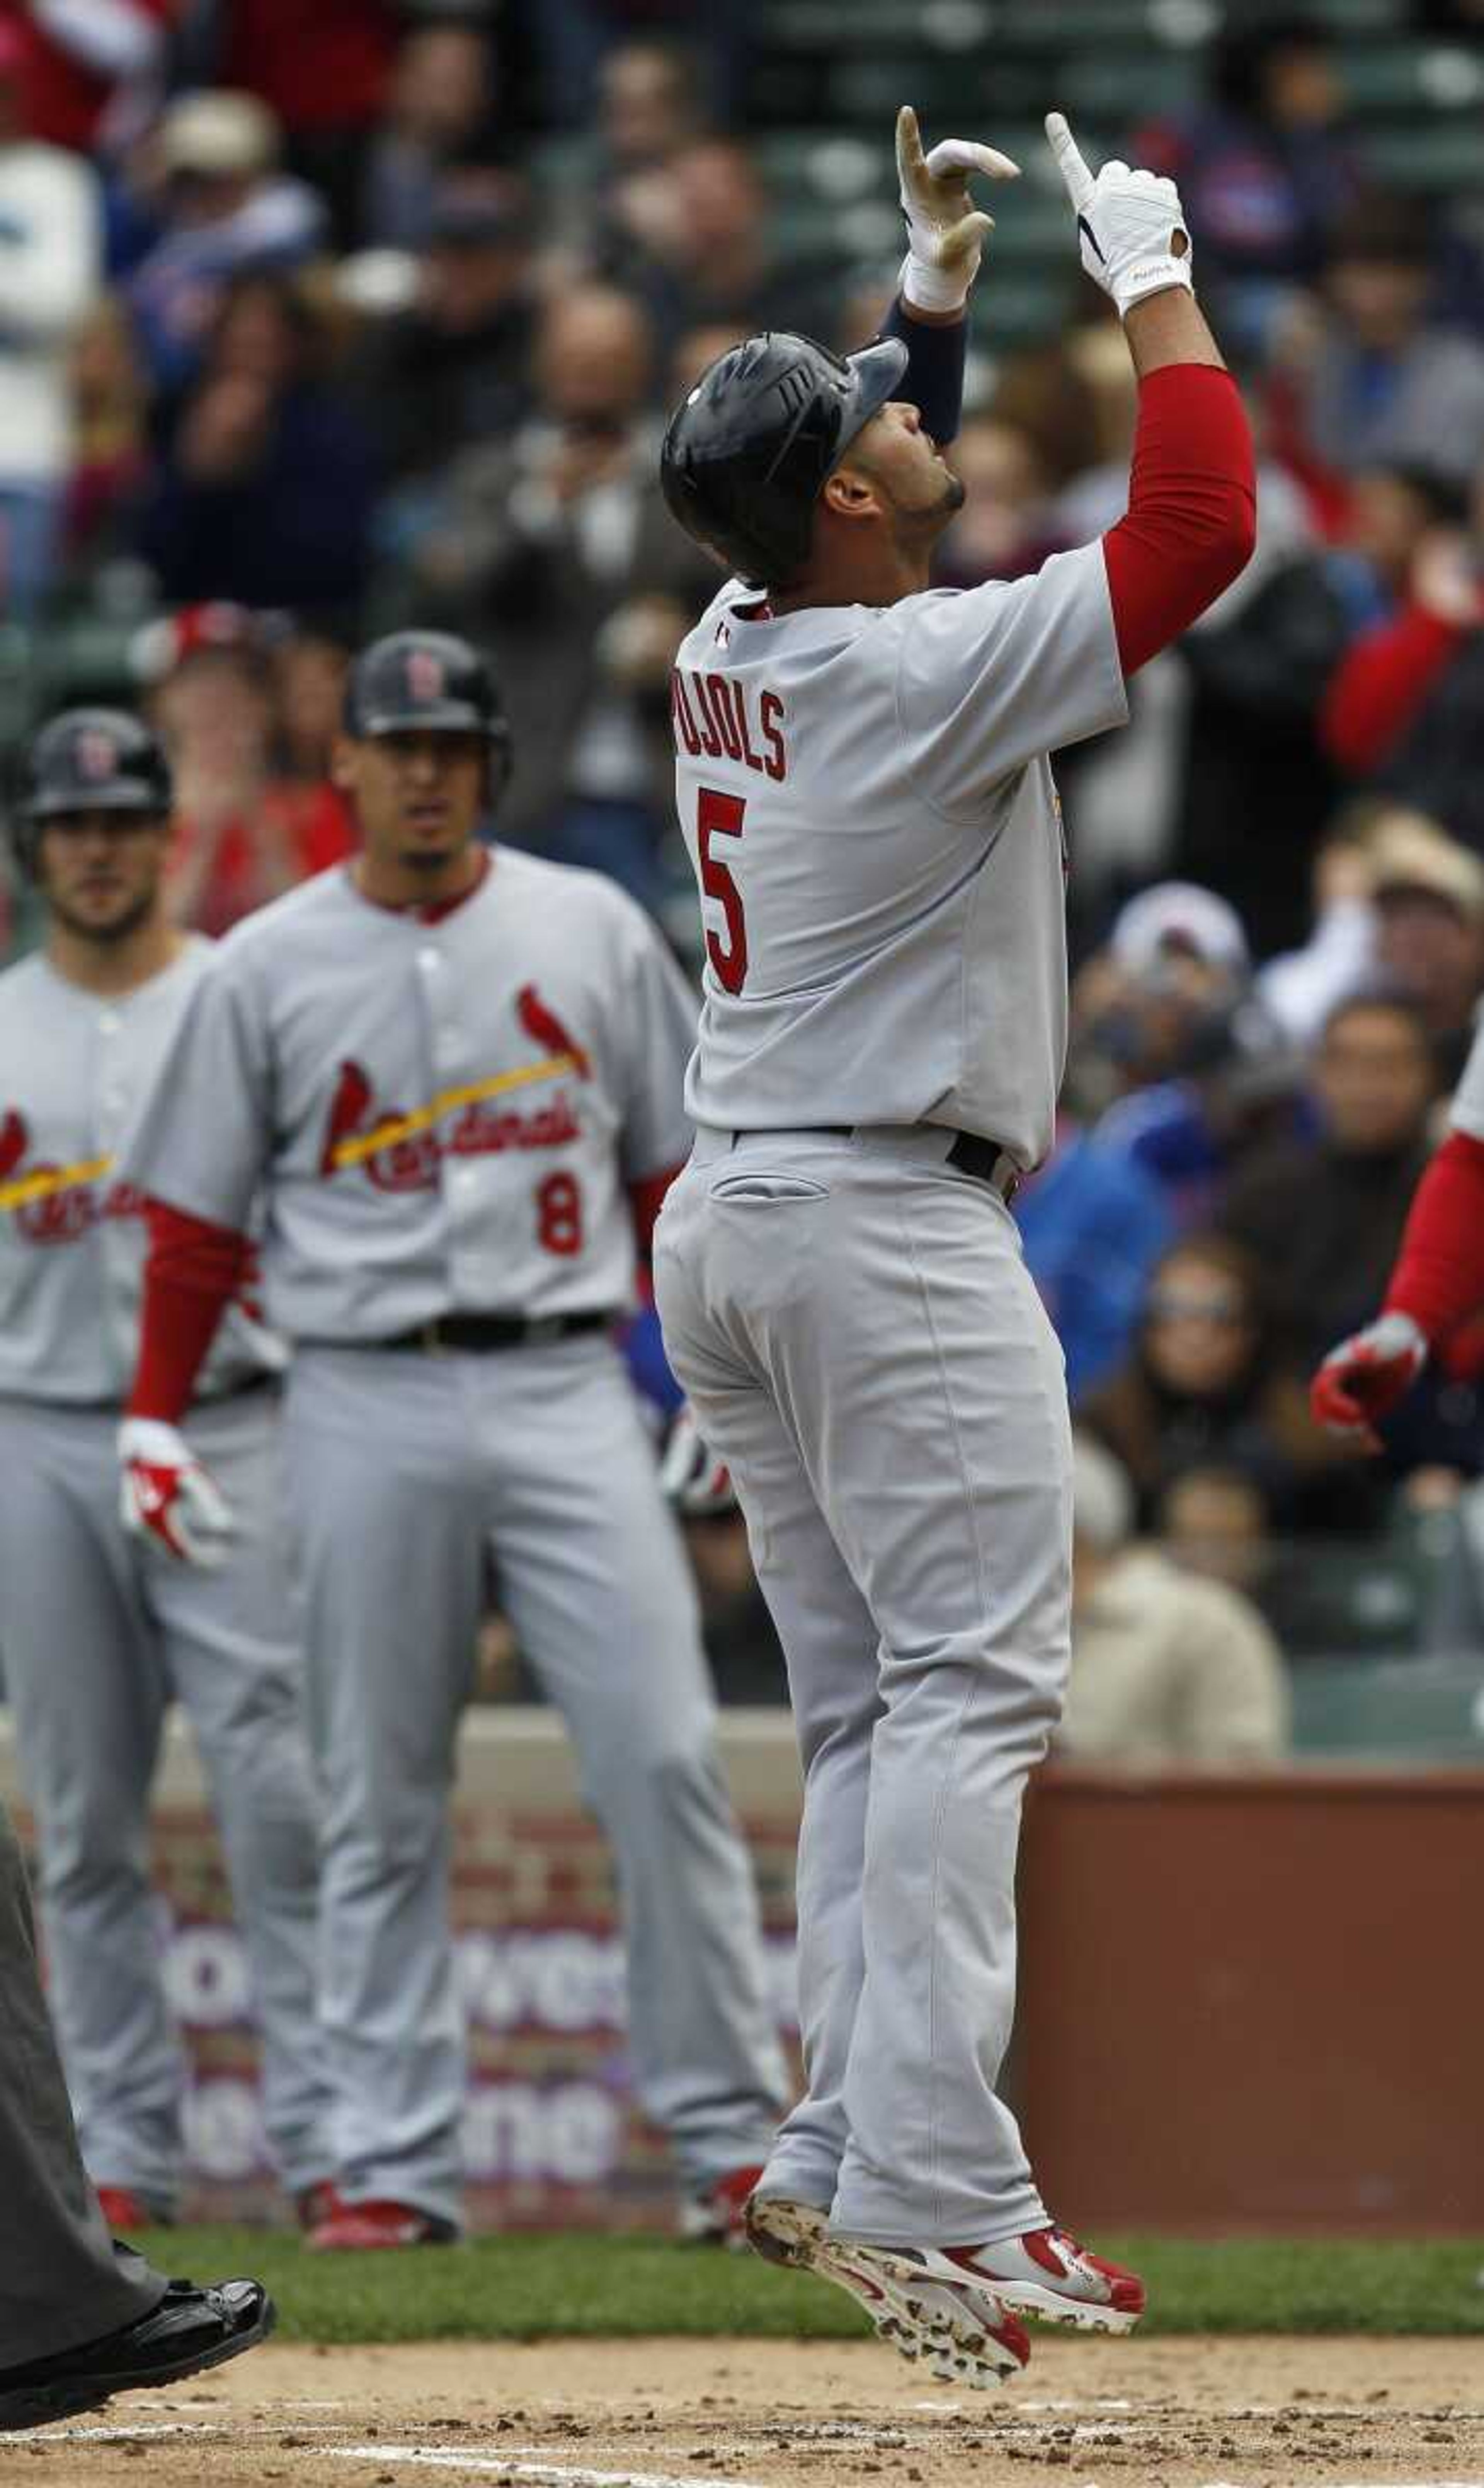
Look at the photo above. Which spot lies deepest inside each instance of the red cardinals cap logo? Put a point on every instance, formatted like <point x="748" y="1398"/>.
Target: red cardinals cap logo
<point x="425" y="674"/>
<point x="98" y="754"/>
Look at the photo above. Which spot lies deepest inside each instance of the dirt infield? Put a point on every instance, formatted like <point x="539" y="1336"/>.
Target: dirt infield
<point x="1176" y="2414"/>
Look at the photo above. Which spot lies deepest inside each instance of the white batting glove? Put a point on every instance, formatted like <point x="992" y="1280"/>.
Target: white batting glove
<point x="695" y="1481"/>
<point x="945" y="232"/>
<point x="1365" y="1377"/>
<point x="166" y="1495"/>
<point x="1131" y="225"/>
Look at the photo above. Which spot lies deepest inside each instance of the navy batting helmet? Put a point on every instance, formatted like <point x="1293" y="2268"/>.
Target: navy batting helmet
<point x="746" y="455"/>
<point x="428" y="682"/>
<point x="89" y="760"/>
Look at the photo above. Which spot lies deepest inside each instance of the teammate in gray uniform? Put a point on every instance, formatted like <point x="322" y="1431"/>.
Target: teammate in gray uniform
<point x="455" y="1072"/>
<point x="863" y="784"/>
<point x="98" y="1633"/>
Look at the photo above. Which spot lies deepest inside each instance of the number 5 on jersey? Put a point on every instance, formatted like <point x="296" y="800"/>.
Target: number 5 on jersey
<point x="720" y="816"/>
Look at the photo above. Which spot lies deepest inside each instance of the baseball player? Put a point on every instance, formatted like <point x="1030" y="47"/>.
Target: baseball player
<point x="100" y="1634"/>
<point x="863" y="784"/>
<point x="456" y="1074"/>
<point x="1435" y="1290"/>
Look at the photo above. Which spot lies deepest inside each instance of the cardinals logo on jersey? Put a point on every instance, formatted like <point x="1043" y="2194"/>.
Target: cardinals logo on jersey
<point x="57" y="1204"/>
<point x="402" y="1151"/>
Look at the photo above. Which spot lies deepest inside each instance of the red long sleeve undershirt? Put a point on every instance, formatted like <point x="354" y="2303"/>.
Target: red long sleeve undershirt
<point x="1192" y="518"/>
<point x="194" y="1269"/>
<point x="1380" y="683"/>
<point x="1438" y="1278"/>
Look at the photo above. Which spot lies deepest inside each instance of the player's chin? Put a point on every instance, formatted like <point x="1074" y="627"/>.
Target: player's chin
<point x="430" y="855"/>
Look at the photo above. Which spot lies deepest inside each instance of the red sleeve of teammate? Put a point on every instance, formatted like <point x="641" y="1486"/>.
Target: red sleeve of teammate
<point x="1192" y="518"/>
<point x="646" y="1200"/>
<point x="193" y="1272"/>
<point x="1438" y="1278"/>
<point x="1379" y="686"/>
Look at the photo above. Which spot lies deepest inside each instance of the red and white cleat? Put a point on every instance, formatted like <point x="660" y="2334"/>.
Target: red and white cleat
<point x="361" y="2227"/>
<point x="1046" y="2275"/>
<point x="950" y="2321"/>
<point x="718" y="2218"/>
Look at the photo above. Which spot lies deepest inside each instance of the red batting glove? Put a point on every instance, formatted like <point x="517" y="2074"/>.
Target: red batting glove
<point x="166" y="1495"/>
<point x="1363" y="1378"/>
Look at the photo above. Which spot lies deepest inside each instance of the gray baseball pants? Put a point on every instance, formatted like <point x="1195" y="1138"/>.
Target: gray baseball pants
<point x="61" y="2280"/>
<point x="860" y="1340"/>
<point x="98" y="1633"/>
<point x="406" y="1470"/>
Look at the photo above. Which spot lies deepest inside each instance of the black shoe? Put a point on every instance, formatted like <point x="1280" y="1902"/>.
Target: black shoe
<point x="189" y="2329"/>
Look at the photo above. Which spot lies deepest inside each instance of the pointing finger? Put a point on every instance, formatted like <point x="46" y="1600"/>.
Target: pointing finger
<point x="1069" y="160"/>
<point x="969" y="155"/>
<point x="909" y="156"/>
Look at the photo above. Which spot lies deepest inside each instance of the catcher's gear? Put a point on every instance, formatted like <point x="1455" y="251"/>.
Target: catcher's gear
<point x="1363" y="1378"/>
<point x="165" y="1494"/>
<point x="428" y="682"/>
<point x="1130" y="224"/>
<point x="695" y="1481"/>
<point x="945" y="232"/>
<point x="746" y="455"/>
<point x="89" y="760"/>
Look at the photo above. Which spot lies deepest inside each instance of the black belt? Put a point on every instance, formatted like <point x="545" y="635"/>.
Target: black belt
<point x="479" y="1334"/>
<point x="985" y="1160"/>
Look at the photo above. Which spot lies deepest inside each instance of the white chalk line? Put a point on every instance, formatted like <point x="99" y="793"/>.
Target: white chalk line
<point x="556" y="2474"/>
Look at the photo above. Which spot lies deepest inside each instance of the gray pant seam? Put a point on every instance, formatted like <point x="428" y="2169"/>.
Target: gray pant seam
<point x="937" y="1819"/>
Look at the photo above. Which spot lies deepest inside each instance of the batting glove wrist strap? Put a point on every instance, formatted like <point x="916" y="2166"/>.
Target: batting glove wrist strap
<point x="1130" y="224"/>
<point x="945" y="232"/>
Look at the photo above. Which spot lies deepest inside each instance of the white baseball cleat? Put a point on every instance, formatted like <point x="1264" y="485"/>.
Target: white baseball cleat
<point x="952" y="2322"/>
<point x="1046" y="2273"/>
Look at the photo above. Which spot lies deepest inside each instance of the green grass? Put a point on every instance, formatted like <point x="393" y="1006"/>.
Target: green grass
<point x="523" y="2288"/>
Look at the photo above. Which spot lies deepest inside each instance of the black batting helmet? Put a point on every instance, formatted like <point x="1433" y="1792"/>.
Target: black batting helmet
<point x="746" y="455"/>
<point x="429" y="682"/>
<point x="89" y="760"/>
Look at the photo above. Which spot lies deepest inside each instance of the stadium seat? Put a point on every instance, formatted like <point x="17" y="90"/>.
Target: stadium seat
<point x="1416" y="77"/>
<point x="1416" y="1709"/>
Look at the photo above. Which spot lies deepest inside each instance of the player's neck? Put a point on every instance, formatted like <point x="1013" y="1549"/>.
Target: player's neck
<point x="387" y="882"/>
<point x="114" y="967"/>
<point x="881" y="575"/>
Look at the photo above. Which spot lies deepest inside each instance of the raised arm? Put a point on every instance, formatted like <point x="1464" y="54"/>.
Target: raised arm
<point x="1190" y="523"/>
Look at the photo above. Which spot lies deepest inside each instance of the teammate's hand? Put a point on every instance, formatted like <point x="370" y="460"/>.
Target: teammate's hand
<point x="1131" y="225"/>
<point x="166" y="1494"/>
<point x="945" y="232"/>
<point x="1365" y="1376"/>
<point x="696" y="1482"/>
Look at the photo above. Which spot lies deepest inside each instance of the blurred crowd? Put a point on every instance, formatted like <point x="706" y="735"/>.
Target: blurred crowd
<point x="317" y="320"/>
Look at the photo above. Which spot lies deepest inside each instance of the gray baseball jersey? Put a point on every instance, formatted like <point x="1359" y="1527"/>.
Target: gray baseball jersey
<point x="1466" y="1112"/>
<point x="446" y="1111"/>
<point x="75" y="1068"/>
<point x="919" y="976"/>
